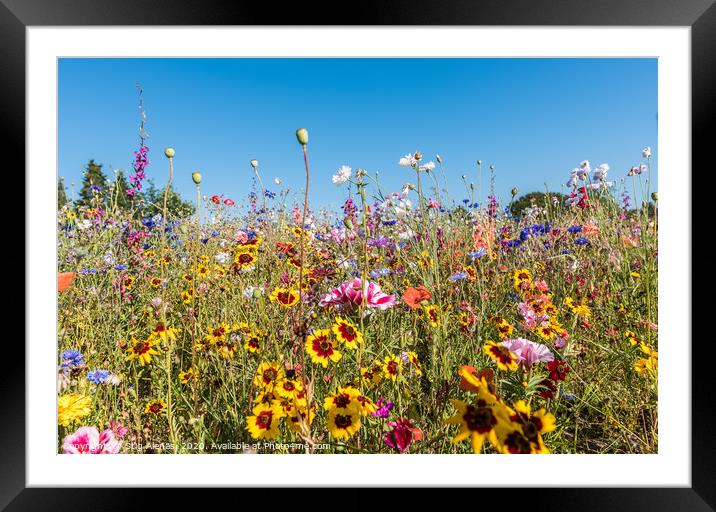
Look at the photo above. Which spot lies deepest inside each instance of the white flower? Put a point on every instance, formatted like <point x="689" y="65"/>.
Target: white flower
<point x="408" y="161"/>
<point x="109" y="259"/>
<point x="277" y="180"/>
<point x="646" y="152"/>
<point x="84" y="224"/>
<point x="342" y="175"/>
<point x="222" y="257"/>
<point x="585" y="165"/>
<point x="428" y="166"/>
<point x="251" y="292"/>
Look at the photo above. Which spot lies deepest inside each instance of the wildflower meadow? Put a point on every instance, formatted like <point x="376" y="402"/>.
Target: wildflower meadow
<point x="409" y="321"/>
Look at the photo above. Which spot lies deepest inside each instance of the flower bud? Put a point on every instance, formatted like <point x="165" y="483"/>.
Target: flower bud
<point x="492" y="167"/>
<point x="514" y="191"/>
<point x="302" y="136"/>
<point x="655" y="196"/>
<point x="254" y="163"/>
<point x="196" y="177"/>
<point x="479" y="162"/>
<point x="418" y="155"/>
<point x="348" y="223"/>
<point x="472" y="186"/>
<point x="169" y="152"/>
<point x="439" y="159"/>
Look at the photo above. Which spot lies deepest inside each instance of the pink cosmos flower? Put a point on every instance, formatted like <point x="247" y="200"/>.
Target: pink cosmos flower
<point x="89" y="440"/>
<point x="241" y="237"/>
<point x="541" y="286"/>
<point x="528" y="352"/>
<point x="118" y="429"/>
<point x="350" y="295"/>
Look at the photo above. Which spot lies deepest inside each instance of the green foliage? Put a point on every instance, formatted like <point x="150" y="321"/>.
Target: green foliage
<point x="541" y="199"/>
<point x="93" y="176"/>
<point x="152" y="202"/>
<point x="61" y="193"/>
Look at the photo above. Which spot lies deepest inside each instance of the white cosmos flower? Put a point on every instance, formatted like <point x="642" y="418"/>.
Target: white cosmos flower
<point x="342" y="175"/>
<point x="428" y="166"/>
<point x="407" y="161"/>
<point x="277" y="180"/>
<point x="222" y="257"/>
<point x="646" y="152"/>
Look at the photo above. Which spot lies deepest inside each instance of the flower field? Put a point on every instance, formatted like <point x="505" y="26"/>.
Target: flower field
<point x="410" y="321"/>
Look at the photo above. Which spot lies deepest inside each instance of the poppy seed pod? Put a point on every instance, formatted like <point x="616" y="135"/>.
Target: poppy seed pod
<point x="254" y="163"/>
<point x="302" y="136"/>
<point x="169" y="152"/>
<point x="196" y="177"/>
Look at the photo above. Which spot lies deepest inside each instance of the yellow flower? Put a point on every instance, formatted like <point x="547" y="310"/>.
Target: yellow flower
<point x="425" y="260"/>
<point x="505" y="359"/>
<point x="343" y="423"/>
<point x="529" y="426"/>
<point x="155" y="407"/>
<point x="413" y="357"/>
<point x="433" y="315"/>
<point x="373" y="375"/>
<point x="263" y="424"/>
<point x="345" y="398"/>
<point x="143" y="350"/>
<point x="578" y="308"/>
<point x="284" y="297"/>
<point x="522" y="280"/>
<point x="347" y="333"/>
<point x="477" y="422"/>
<point x="268" y="374"/>
<point x="188" y="376"/>
<point x="393" y="367"/>
<point x="165" y="333"/>
<point x="321" y="347"/>
<point x="71" y="408"/>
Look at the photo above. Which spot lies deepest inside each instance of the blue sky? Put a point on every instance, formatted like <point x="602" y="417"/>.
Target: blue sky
<point x="533" y="119"/>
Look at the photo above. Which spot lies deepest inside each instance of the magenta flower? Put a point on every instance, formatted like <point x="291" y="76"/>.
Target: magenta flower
<point x="89" y="440"/>
<point x="349" y="295"/>
<point x="118" y="429"/>
<point x="528" y="352"/>
<point x="400" y="437"/>
<point x="384" y="408"/>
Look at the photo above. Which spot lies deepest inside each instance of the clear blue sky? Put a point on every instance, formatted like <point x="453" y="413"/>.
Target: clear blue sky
<point x="534" y="119"/>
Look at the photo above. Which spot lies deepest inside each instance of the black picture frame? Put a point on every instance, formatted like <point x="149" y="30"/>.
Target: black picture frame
<point x="700" y="15"/>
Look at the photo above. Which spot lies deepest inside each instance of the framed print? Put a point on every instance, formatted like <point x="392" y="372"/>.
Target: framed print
<point x="401" y="252"/>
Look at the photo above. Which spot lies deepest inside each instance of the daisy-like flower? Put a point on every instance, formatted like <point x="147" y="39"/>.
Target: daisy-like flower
<point x="252" y="341"/>
<point x="191" y="375"/>
<point x="244" y="259"/>
<point x="71" y="408"/>
<point x="344" y="399"/>
<point x="522" y="280"/>
<point x="373" y="375"/>
<point x="284" y="297"/>
<point x="142" y="350"/>
<point x="187" y="295"/>
<point x="504" y="328"/>
<point x="343" y="423"/>
<point x="289" y="388"/>
<point x="203" y="271"/>
<point x="155" y="407"/>
<point x="164" y="333"/>
<point x="425" y="261"/>
<point x="413" y="358"/>
<point x="321" y="347"/>
<point x="342" y="175"/>
<point x="156" y="282"/>
<point x="268" y="374"/>
<point x="578" y="308"/>
<point x="477" y="422"/>
<point x="432" y="314"/>
<point x="393" y="367"/>
<point x="263" y="424"/>
<point x="347" y="333"/>
<point x="533" y="425"/>
<point x="218" y="333"/>
<point x="470" y="272"/>
<point x="506" y="360"/>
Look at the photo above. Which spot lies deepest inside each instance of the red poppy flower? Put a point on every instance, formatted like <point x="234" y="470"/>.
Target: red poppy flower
<point x="229" y="202"/>
<point x="414" y="296"/>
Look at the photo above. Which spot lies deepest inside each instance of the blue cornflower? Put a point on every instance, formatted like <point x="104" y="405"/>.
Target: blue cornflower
<point x="389" y="222"/>
<point x="477" y="254"/>
<point x="574" y="229"/>
<point x="214" y="233"/>
<point x="458" y="277"/>
<point x="71" y="358"/>
<point x="379" y="272"/>
<point x="121" y="267"/>
<point x="466" y="201"/>
<point x="95" y="188"/>
<point x="269" y="194"/>
<point x="513" y="243"/>
<point x="204" y="240"/>
<point x="581" y="241"/>
<point x="86" y="271"/>
<point x="98" y="376"/>
<point x="381" y="241"/>
<point x="565" y="251"/>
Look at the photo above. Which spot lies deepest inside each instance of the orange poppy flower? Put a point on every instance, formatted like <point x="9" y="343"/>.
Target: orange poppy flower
<point x="64" y="280"/>
<point x="414" y="296"/>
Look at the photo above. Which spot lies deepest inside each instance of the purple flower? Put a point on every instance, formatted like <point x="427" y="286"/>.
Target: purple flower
<point x="380" y="242"/>
<point x="384" y="408"/>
